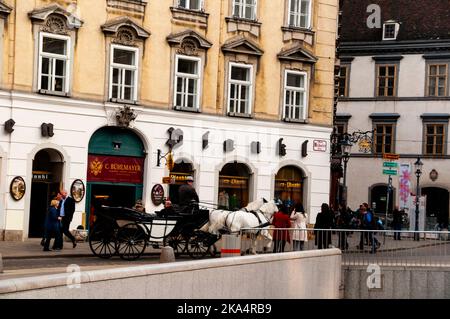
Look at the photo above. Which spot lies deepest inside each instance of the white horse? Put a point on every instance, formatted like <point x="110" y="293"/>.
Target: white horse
<point x="233" y="222"/>
<point x="217" y="216"/>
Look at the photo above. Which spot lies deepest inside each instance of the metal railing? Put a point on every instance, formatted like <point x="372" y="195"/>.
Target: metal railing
<point x="359" y="247"/>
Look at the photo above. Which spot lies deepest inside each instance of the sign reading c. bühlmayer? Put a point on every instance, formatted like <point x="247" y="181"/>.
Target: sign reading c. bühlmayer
<point x="118" y="169"/>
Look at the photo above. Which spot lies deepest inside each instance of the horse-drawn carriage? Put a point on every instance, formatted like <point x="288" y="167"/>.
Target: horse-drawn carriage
<point x="127" y="232"/>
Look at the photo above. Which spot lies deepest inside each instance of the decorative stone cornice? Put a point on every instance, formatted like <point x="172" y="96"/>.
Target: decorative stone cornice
<point x="297" y="53"/>
<point x="5" y="10"/>
<point x="113" y="26"/>
<point x="179" y="38"/>
<point x="241" y="45"/>
<point x="42" y="14"/>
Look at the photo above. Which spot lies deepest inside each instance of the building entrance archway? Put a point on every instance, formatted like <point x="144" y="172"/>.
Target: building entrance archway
<point x="46" y="182"/>
<point x="234" y="186"/>
<point x="437" y="207"/>
<point x="115" y="172"/>
<point x="289" y="185"/>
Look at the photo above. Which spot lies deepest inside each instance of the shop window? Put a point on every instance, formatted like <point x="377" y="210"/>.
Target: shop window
<point x="179" y="173"/>
<point x="289" y="185"/>
<point x="234" y="185"/>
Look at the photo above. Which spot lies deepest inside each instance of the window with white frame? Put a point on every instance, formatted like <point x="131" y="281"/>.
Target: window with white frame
<point x="54" y="63"/>
<point x="191" y="4"/>
<point x="245" y="9"/>
<point x="295" y="95"/>
<point x="240" y="86"/>
<point x="390" y="30"/>
<point x="123" y="73"/>
<point x="300" y="13"/>
<point x="187" y="82"/>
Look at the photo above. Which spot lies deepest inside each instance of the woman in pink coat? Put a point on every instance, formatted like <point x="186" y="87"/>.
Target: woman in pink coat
<point x="299" y="219"/>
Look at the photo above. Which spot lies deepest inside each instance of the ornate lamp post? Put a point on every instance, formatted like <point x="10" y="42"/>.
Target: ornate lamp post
<point x="346" y="147"/>
<point x="418" y="166"/>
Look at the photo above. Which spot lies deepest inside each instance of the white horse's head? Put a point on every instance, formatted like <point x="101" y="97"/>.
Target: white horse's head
<point x="269" y="208"/>
<point x="255" y="205"/>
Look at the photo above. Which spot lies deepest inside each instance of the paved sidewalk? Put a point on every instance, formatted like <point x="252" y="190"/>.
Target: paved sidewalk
<point x="31" y="248"/>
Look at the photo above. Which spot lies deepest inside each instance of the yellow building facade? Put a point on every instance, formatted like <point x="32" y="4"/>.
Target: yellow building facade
<point x="269" y="32"/>
<point x="251" y="72"/>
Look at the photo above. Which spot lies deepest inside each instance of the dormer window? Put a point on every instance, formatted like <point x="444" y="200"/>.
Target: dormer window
<point x="390" y="30"/>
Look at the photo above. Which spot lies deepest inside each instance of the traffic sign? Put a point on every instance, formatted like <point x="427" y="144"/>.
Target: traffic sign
<point x="390" y="164"/>
<point x="390" y="156"/>
<point x="390" y="172"/>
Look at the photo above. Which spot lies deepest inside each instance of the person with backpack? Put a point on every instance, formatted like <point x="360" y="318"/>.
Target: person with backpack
<point x="369" y="223"/>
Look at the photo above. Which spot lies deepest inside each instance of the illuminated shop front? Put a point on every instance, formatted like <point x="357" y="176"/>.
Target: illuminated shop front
<point x="234" y="185"/>
<point x="289" y="185"/>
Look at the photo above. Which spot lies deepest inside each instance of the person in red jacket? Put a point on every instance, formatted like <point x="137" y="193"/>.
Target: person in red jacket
<point x="280" y="237"/>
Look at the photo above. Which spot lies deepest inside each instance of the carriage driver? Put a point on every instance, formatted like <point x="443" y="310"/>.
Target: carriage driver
<point x="187" y="194"/>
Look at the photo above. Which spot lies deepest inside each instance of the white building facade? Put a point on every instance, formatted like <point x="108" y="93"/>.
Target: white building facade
<point x="76" y="122"/>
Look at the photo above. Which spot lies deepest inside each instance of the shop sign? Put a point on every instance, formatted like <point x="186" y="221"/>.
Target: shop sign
<point x="320" y="145"/>
<point x="287" y="185"/>
<point x="41" y="176"/>
<point x="117" y="169"/>
<point x="179" y="178"/>
<point x="232" y="182"/>
<point x="157" y="194"/>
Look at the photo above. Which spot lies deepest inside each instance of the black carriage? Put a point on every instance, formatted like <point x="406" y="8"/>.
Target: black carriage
<point x="127" y="232"/>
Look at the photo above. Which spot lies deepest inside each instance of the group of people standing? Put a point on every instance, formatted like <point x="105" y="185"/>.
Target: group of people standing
<point x="57" y="221"/>
<point x="290" y="217"/>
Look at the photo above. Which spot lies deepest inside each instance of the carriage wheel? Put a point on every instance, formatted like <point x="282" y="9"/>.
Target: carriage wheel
<point x="197" y="246"/>
<point x="178" y="243"/>
<point x="102" y="241"/>
<point x="131" y="241"/>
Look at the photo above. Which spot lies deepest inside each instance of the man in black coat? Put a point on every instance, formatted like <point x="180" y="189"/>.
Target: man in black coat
<point x="66" y="210"/>
<point x="187" y="195"/>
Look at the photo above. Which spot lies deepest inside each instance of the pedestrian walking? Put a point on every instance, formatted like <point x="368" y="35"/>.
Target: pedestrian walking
<point x="52" y="227"/>
<point x="299" y="219"/>
<point x="397" y="222"/>
<point x="66" y="210"/>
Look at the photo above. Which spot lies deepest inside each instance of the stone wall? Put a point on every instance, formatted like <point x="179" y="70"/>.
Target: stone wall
<point x="297" y="275"/>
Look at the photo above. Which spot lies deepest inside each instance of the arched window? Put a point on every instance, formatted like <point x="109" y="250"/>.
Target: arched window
<point x="289" y="185"/>
<point x="234" y="186"/>
<point x="180" y="171"/>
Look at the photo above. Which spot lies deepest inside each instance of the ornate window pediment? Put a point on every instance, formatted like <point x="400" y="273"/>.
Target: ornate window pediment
<point x="5" y="10"/>
<point x="54" y="16"/>
<point x="189" y="41"/>
<point x="126" y="31"/>
<point x="242" y="45"/>
<point x="297" y="53"/>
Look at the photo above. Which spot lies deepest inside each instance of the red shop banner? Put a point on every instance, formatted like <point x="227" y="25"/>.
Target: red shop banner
<point x="117" y="169"/>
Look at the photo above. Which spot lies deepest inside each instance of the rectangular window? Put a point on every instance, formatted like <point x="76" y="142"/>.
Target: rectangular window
<point x="300" y="13"/>
<point x="434" y="139"/>
<point x="383" y="142"/>
<point x="437" y="80"/>
<point x="191" y="4"/>
<point x="386" y="80"/>
<point x="295" y="95"/>
<point x="342" y="80"/>
<point x="240" y="86"/>
<point x="245" y="9"/>
<point x="123" y="73"/>
<point x="187" y="82"/>
<point x="54" y="66"/>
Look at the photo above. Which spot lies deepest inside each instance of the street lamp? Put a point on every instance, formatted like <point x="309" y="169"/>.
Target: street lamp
<point x="418" y="166"/>
<point x="346" y="147"/>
